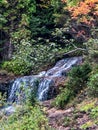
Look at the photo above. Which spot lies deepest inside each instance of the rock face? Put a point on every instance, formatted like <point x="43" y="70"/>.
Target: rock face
<point x="6" y="80"/>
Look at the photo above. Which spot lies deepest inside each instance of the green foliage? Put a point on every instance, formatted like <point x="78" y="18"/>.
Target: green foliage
<point x="63" y="98"/>
<point x="70" y="122"/>
<point x="72" y="2"/>
<point x="92" y="47"/>
<point x="93" y="85"/>
<point x="87" y="107"/>
<point x="31" y="99"/>
<point x="78" y="76"/>
<point x="20" y="64"/>
<point x="25" y="118"/>
<point x="2" y="99"/>
<point x="28" y="115"/>
<point x="12" y="14"/>
<point x="87" y="125"/>
<point x="28" y="57"/>
<point x="17" y="67"/>
<point x="94" y="113"/>
<point x="57" y="4"/>
<point x="42" y="24"/>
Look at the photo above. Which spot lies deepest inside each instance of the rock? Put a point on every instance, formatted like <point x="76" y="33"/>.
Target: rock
<point x="47" y="103"/>
<point x="4" y="87"/>
<point x="59" y="113"/>
<point x="63" y="128"/>
<point x="82" y="120"/>
<point x="3" y="73"/>
<point x="7" y="110"/>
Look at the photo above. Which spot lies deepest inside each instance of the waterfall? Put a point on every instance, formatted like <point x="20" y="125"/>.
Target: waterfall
<point x="47" y="80"/>
<point x="43" y="89"/>
<point x="19" y="87"/>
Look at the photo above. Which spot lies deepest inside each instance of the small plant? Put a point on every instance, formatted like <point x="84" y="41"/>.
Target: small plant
<point x="66" y="121"/>
<point x="2" y="99"/>
<point x="87" y="107"/>
<point x="87" y="125"/>
<point x="94" y="113"/>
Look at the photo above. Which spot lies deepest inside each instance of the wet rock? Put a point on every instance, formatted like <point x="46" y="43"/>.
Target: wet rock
<point x="7" y="110"/>
<point x="4" y="88"/>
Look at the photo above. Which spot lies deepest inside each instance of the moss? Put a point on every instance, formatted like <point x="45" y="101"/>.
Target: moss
<point x="87" y="107"/>
<point x="87" y="125"/>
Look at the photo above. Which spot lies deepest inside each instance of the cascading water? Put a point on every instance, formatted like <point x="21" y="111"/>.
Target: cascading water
<point x="58" y="71"/>
<point x="46" y="80"/>
<point x="19" y="87"/>
<point x="43" y="89"/>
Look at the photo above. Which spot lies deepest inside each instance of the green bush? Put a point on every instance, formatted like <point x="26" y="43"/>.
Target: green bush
<point x="17" y="66"/>
<point x="29" y="57"/>
<point x="93" y="85"/>
<point x="26" y="118"/>
<point x="78" y="77"/>
<point x="63" y="98"/>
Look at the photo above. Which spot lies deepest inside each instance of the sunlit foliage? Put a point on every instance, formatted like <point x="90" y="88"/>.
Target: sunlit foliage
<point x="85" y="10"/>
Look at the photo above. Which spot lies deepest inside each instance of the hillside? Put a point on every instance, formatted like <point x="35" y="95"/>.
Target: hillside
<point x="49" y="65"/>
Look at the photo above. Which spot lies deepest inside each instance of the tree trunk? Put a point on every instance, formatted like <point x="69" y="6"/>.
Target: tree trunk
<point x="10" y="50"/>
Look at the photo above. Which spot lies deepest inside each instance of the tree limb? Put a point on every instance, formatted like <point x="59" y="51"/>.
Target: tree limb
<point x="72" y="51"/>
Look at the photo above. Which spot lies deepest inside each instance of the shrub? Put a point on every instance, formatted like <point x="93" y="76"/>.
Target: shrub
<point x="28" y="57"/>
<point x="78" y="77"/>
<point x="26" y="118"/>
<point x="63" y="98"/>
<point x="93" y="85"/>
<point x="17" y="66"/>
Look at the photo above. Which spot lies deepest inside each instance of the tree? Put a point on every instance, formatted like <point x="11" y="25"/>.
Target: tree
<point x="14" y="20"/>
<point x="86" y="11"/>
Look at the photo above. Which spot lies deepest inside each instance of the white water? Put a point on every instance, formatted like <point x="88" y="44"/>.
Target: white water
<point x="46" y="80"/>
<point x="19" y="87"/>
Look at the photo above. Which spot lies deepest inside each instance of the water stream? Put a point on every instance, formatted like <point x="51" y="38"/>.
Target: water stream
<point x="46" y="80"/>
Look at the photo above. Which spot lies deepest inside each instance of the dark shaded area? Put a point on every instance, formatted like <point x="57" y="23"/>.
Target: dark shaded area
<point x="3" y="45"/>
<point x="80" y="32"/>
<point x="4" y="88"/>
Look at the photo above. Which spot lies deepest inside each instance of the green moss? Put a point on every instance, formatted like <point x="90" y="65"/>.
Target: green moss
<point x="87" y="107"/>
<point x="87" y="125"/>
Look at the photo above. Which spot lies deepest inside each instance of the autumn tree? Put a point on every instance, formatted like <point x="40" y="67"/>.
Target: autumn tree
<point x="85" y="11"/>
